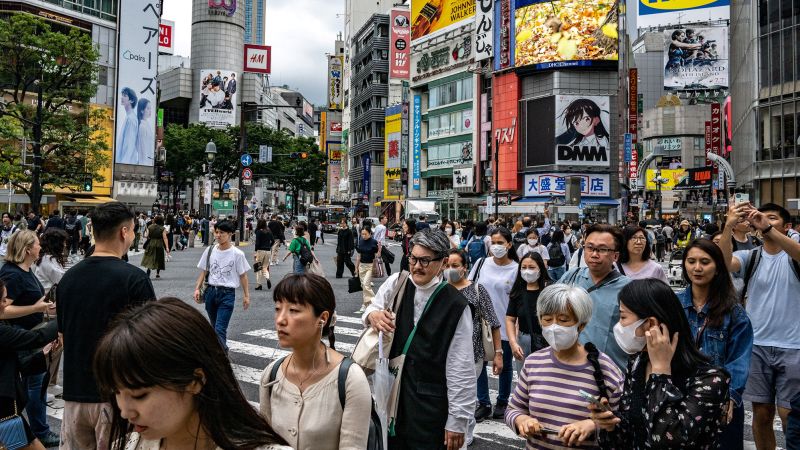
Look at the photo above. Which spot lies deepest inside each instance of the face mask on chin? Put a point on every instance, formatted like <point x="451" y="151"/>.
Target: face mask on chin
<point x="434" y="281"/>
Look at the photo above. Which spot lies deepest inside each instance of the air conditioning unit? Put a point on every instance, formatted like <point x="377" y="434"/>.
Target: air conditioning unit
<point x="793" y="204"/>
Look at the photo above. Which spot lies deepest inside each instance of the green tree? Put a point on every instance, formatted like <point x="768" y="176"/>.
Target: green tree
<point x="185" y="154"/>
<point x="61" y="70"/>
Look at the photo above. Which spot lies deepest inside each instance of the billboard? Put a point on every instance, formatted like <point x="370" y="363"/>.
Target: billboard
<point x="659" y="13"/>
<point x="484" y="30"/>
<point x="308" y="110"/>
<point x="582" y="130"/>
<point x="400" y="45"/>
<point x="166" y="34"/>
<point x="392" y="185"/>
<point x="698" y="178"/>
<point x="137" y="67"/>
<point x="670" y="179"/>
<point x="217" y="97"/>
<point x="538" y="136"/>
<point x="566" y="33"/>
<point x="696" y="58"/>
<point x="436" y="16"/>
<point x="335" y="66"/>
<point x="417" y="146"/>
<point x="555" y="184"/>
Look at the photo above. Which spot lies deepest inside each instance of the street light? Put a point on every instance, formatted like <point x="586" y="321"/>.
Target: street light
<point x="211" y="153"/>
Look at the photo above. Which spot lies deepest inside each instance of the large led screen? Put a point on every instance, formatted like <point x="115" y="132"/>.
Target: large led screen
<point x="566" y="33"/>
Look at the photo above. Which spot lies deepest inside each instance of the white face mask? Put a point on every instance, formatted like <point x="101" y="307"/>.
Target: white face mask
<point x="560" y="337"/>
<point x="453" y="275"/>
<point x="448" y="230"/>
<point x="626" y="337"/>
<point x="499" y="251"/>
<point x="530" y="275"/>
<point x="533" y="242"/>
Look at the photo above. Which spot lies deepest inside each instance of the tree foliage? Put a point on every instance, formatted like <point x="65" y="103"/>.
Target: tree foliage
<point x="64" y="67"/>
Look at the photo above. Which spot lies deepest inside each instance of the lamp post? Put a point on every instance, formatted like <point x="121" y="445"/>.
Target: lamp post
<point x="496" y="177"/>
<point x="211" y="153"/>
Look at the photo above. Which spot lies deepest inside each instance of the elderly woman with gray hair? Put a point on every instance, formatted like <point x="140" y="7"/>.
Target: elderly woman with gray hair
<point x="547" y="406"/>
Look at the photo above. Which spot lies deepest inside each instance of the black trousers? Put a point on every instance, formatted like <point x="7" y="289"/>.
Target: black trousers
<point x="343" y="259"/>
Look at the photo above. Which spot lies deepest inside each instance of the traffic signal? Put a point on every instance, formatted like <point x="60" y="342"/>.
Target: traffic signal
<point x="293" y="155"/>
<point x="303" y="155"/>
<point x="87" y="185"/>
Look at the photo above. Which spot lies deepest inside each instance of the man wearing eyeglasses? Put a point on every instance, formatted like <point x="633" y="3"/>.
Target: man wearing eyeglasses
<point x="438" y="385"/>
<point x="603" y="282"/>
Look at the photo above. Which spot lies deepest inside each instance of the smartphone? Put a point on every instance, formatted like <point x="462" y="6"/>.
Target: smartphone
<point x="548" y="430"/>
<point x="594" y="400"/>
<point x="741" y="197"/>
<point x="50" y="297"/>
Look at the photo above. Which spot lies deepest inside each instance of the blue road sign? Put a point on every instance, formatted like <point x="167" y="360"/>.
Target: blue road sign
<point x="246" y="160"/>
<point x="226" y="186"/>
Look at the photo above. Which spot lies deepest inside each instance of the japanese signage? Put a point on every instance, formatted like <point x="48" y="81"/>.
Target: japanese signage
<point x="669" y="144"/>
<point x="549" y="184"/>
<point x="437" y="16"/>
<point x="633" y="104"/>
<point x="628" y="146"/>
<point x="417" y="148"/>
<point x="582" y="124"/>
<point x="700" y="178"/>
<point x="335" y="66"/>
<point x="633" y="166"/>
<point x="464" y="178"/>
<point x="442" y="58"/>
<point x="399" y="45"/>
<point x="366" y="160"/>
<point x="565" y="33"/>
<point x="708" y="141"/>
<point x="669" y="179"/>
<point x="166" y="33"/>
<point x="222" y="7"/>
<point x="696" y="58"/>
<point x="503" y="38"/>
<point x="137" y="67"/>
<point x="218" y="89"/>
<point x="257" y="58"/>
<point x="716" y="129"/>
<point x="658" y="13"/>
<point x="392" y="186"/>
<point x="484" y="29"/>
<point x="334" y="150"/>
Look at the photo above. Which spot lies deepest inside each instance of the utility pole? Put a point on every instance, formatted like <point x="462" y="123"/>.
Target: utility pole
<point x="496" y="177"/>
<point x="36" y="181"/>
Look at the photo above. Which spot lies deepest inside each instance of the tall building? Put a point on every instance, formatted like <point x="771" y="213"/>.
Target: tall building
<point x="254" y="11"/>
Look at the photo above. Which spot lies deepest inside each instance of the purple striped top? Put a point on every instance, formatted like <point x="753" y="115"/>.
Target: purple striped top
<point x="547" y="390"/>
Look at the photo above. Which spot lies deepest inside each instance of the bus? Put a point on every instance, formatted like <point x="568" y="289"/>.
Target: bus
<point x="329" y="216"/>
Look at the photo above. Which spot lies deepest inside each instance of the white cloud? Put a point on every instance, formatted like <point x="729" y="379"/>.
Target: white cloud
<point x="300" y="33"/>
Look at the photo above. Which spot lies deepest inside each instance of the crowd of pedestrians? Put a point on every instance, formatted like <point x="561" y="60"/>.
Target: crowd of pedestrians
<point x="606" y="354"/>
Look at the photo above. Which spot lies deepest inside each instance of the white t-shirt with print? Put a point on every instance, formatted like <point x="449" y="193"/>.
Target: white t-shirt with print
<point x="498" y="281"/>
<point x="226" y="266"/>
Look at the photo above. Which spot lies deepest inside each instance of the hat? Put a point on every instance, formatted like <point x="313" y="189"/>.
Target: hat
<point x="685" y="222"/>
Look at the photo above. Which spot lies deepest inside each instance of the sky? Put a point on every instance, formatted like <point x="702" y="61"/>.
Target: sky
<point x="300" y="33"/>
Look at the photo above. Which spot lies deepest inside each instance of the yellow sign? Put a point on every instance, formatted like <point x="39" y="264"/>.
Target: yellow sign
<point x="670" y="177"/>
<point x="430" y="16"/>
<point x="392" y="185"/>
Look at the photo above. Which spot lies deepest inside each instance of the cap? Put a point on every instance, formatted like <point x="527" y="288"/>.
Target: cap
<point x="685" y="222"/>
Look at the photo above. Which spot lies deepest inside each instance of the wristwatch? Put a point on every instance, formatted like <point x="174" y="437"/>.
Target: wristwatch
<point x="766" y="230"/>
<point x="499" y="350"/>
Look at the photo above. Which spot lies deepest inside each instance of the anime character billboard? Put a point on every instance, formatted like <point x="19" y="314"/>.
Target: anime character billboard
<point x="582" y="136"/>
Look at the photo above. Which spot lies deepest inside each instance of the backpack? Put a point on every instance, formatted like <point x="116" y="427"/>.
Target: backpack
<point x="476" y="249"/>
<point x="375" y="439"/>
<point x="557" y="258"/>
<point x="519" y="238"/>
<point x="72" y="224"/>
<point x="545" y="239"/>
<point x="660" y="238"/>
<point x="305" y="254"/>
<point x="752" y="264"/>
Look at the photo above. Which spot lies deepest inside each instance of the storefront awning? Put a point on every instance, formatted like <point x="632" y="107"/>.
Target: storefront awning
<point x="89" y="200"/>
<point x="606" y="201"/>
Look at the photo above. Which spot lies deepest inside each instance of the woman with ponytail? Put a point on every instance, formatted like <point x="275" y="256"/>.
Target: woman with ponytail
<point x="547" y="398"/>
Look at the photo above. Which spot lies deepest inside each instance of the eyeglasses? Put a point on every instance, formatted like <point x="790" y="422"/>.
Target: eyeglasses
<point x="601" y="251"/>
<point x="424" y="262"/>
<point x="638" y="238"/>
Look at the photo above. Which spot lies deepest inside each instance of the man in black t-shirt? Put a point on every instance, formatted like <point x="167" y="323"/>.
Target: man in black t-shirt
<point x="279" y="232"/>
<point x="89" y="296"/>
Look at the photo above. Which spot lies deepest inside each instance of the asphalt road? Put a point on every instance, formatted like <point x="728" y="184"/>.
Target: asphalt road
<point x="252" y="339"/>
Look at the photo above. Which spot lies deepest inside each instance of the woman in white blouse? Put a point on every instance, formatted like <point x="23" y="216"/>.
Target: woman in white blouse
<point x="300" y="397"/>
<point x="533" y="244"/>
<point x="52" y="263"/>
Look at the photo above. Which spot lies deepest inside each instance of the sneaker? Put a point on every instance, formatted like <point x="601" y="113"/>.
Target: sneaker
<point x="49" y="439"/>
<point x="482" y="412"/>
<point x="499" y="411"/>
<point x="50" y="398"/>
<point x="361" y="310"/>
<point x="56" y="390"/>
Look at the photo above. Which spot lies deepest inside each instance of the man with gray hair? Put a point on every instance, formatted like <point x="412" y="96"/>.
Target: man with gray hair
<point x="438" y="384"/>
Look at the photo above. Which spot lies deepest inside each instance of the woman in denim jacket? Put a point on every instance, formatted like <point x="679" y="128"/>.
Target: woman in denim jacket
<point x="720" y="326"/>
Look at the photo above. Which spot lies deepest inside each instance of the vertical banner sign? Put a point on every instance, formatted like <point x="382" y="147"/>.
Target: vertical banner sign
<point x="417" y="140"/>
<point x="505" y="35"/>
<point x="628" y="147"/>
<point x="399" y="48"/>
<point x="367" y="161"/>
<point x="633" y="166"/>
<point x="484" y="30"/>
<point x="335" y="66"/>
<point x="716" y="129"/>
<point x="137" y="67"/>
<point x="708" y="140"/>
<point x="633" y="104"/>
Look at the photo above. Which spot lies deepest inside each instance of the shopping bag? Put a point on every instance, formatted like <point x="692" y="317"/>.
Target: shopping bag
<point x="382" y="388"/>
<point x="387" y="255"/>
<point x="378" y="270"/>
<point x="316" y="268"/>
<point x="354" y="285"/>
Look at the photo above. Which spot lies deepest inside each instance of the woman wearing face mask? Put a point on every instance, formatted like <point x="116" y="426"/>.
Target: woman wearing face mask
<point x="720" y="327"/>
<point x="533" y="244"/>
<point x="409" y="228"/>
<point x="455" y="272"/>
<point x="497" y="274"/>
<point x="673" y="397"/>
<point x="450" y="231"/>
<point x="525" y="334"/>
<point x="634" y="259"/>
<point x="559" y="255"/>
<point x="546" y="407"/>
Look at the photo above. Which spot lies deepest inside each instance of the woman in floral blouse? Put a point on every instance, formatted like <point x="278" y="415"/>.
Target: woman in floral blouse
<point x="672" y="398"/>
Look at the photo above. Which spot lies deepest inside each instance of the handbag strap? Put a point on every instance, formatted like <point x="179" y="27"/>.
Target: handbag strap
<point x="208" y="262"/>
<point x="427" y="305"/>
<point x="16" y="413"/>
<point x="399" y="290"/>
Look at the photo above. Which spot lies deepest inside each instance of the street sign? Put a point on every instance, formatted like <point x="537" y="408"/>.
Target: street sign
<point x="264" y="154"/>
<point x="246" y="160"/>
<point x="226" y="186"/>
<point x="247" y="174"/>
<point x="247" y="182"/>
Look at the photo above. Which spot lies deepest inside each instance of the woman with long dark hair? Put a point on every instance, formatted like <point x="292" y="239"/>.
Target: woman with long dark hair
<point x="673" y="397"/>
<point x="156" y="247"/>
<point x="522" y="323"/>
<point x="409" y="229"/>
<point x="719" y="325"/>
<point x="52" y="263"/>
<point x="171" y="385"/>
<point x="634" y="258"/>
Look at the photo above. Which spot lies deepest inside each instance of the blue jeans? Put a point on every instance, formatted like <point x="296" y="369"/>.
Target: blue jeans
<point x="36" y="407"/>
<point x="557" y="272"/>
<point x="219" y="306"/>
<point x="506" y="376"/>
<point x="298" y="266"/>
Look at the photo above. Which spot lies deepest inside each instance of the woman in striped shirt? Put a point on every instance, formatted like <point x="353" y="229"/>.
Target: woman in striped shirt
<point x="546" y="406"/>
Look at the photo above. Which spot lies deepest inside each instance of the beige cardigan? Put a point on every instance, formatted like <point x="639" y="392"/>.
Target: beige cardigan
<point x="314" y="420"/>
<point x="135" y="442"/>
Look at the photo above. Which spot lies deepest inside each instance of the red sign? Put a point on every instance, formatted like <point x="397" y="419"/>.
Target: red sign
<point x="633" y="104"/>
<point x="399" y="48"/>
<point x="247" y="173"/>
<point x="633" y="168"/>
<point x="708" y="140"/>
<point x="716" y="128"/>
<point x="166" y="31"/>
<point x="257" y="58"/>
<point x="336" y="127"/>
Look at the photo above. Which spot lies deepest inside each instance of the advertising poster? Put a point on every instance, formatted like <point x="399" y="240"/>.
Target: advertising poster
<point x="335" y="67"/>
<point x="137" y="66"/>
<point x="699" y="178"/>
<point x="417" y="147"/>
<point x="566" y="33"/>
<point x="696" y="58"/>
<point x="399" y="45"/>
<point x="659" y="13"/>
<point x="549" y="184"/>
<point x="670" y="179"/>
<point x="392" y="185"/>
<point x="582" y="130"/>
<point x="334" y="153"/>
<point x="218" y="97"/>
<point x="484" y="29"/>
<point x="434" y="16"/>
